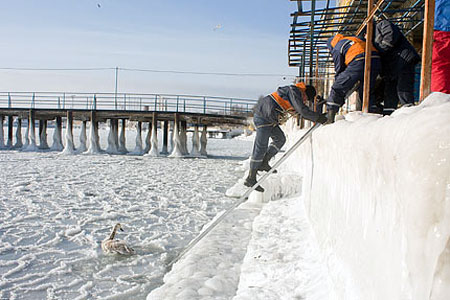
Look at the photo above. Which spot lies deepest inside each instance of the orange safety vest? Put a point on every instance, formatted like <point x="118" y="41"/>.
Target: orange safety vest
<point x="283" y="103"/>
<point x="358" y="47"/>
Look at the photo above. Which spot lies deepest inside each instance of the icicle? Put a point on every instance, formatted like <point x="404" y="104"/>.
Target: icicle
<point x="177" y="150"/>
<point x="203" y="141"/>
<point x="57" y="136"/>
<point x="112" y="147"/>
<point x="43" y="144"/>
<point x="83" y="136"/>
<point x="2" y="142"/>
<point x="19" y="143"/>
<point x="138" y="148"/>
<point x="195" y="142"/>
<point x="122" y="138"/>
<point x="154" y="141"/>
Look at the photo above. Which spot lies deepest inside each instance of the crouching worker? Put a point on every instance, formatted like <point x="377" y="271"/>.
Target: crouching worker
<point x="269" y="113"/>
<point x="348" y="54"/>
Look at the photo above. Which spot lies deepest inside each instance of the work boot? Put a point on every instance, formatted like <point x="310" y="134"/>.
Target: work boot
<point x="330" y="116"/>
<point x="251" y="180"/>
<point x="265" y="165"/>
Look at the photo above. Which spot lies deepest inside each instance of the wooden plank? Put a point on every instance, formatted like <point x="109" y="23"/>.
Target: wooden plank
<point x="427" y="49"/>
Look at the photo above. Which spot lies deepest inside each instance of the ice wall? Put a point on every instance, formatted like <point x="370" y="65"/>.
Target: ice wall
<point x="377" y="194"/>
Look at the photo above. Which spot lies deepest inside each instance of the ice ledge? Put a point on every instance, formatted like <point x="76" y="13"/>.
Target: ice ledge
<point x="212" y="268"/>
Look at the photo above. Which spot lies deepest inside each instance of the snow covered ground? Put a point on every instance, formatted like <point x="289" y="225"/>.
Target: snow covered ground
<point x="360" y="211"/>
<point x="56" y="209"/>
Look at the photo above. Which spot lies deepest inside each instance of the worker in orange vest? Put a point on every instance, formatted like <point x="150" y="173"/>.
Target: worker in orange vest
<point x="269" y="113"/>
<point x="348" y="54"/>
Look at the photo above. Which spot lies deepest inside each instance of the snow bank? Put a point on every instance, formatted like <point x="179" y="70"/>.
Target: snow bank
<point x="377" y="193"/>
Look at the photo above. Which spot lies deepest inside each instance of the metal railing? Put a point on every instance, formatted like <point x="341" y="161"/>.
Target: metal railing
<point x="128" y="102"/>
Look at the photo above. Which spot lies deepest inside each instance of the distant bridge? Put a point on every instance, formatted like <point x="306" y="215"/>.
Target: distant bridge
<point x="100" y="107"/>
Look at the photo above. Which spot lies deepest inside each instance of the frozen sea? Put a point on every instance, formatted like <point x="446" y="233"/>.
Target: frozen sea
<point x="56" y="209"/>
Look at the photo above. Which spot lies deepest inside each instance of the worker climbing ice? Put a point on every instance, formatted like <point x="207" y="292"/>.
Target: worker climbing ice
<point x="348" y="54"/>
<point x="269" y="113"/>
<point x="398" y="60"/>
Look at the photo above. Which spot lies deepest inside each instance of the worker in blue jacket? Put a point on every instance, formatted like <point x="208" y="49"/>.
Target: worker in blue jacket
<point x="348" y="54"/>
<point x="269" y="113"/>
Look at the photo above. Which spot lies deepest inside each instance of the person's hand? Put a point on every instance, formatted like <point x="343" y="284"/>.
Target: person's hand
<point x="322" y="119"/>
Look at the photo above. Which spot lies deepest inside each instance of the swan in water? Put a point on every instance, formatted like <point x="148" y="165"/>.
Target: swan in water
<point x="116" y="246"/>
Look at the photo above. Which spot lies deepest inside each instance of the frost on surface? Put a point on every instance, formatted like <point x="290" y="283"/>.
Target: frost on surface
<point x="375" y="193"/>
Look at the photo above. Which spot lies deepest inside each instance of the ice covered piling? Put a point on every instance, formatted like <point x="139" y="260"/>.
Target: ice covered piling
<point x="177" y="148"/>
<point x="138" y="149"/>
<point x="19" y="143"/>
<point x="43" y="135"/>
<point x="70" y="147"/>
<point x="83" y="137"/>
<point x="2" y="141"/>
<point x="377" y="193"/>
<point x="154" y="140"/>
<point x="94" y="145"/>
<point x="30" y="145"/>
<point x="203" y="141"/>
<point x="195" y="142"/>
<point x="113" y="147"/>
<point x="57" y="136"/>
<point x="122" y="138"/>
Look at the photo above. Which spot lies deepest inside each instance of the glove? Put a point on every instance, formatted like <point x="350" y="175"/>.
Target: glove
<point x="322" y="119"/>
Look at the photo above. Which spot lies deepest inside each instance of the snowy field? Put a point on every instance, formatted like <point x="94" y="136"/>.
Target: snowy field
<point x="56" y="209"/>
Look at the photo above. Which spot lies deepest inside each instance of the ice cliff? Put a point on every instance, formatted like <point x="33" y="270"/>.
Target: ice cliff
<point x="377" y="194"/>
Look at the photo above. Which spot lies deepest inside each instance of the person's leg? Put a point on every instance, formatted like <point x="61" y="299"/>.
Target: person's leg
<point x="278" y="141"/>
<point x="374" y="71"/>
<point x="260" y="145"/>
<point x="343" y="83"/>
<point x="390" y="95"/>
<point x="405" y="85"/>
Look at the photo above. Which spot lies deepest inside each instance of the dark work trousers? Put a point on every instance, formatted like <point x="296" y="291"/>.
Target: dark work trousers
<point x="345" y="81"/>
<point x="399" y="87"/>
<point x="265" y="130"/>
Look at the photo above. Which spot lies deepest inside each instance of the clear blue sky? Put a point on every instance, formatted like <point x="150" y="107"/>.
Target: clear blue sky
<point x="233" y="36"/>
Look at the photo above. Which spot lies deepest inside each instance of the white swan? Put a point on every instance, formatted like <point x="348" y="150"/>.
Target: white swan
<point x="116" y="246"/>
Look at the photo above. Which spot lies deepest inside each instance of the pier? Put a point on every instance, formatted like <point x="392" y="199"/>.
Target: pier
<point x="157" y="110"/>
